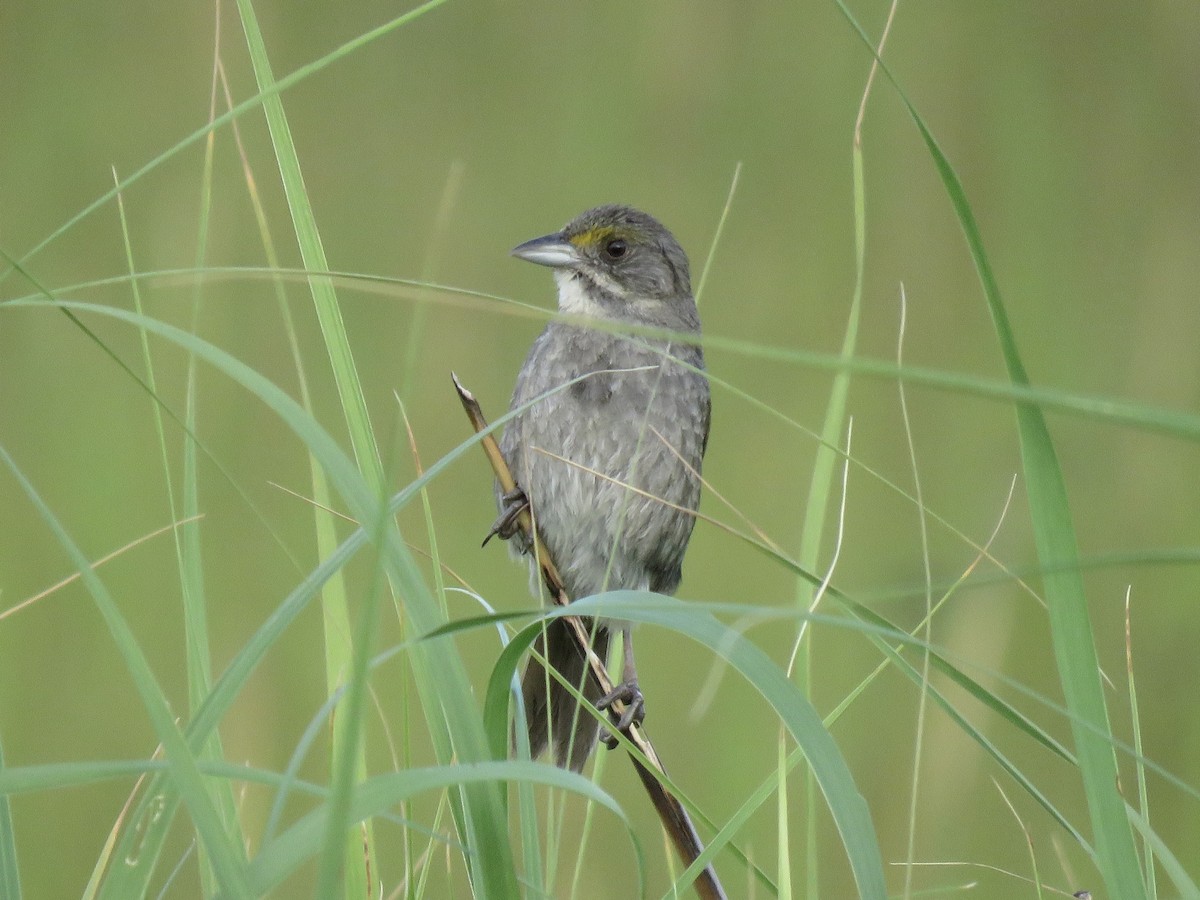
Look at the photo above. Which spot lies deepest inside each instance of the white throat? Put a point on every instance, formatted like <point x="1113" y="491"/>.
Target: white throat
<point x="573" y="296"/>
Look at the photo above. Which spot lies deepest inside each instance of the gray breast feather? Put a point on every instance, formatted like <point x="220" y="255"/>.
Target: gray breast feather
<point x="610" y="464"/>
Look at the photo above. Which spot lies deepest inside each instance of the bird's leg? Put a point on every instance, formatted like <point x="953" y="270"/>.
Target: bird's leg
<point x="627" y="692"/>
<point x="514" y="503"/>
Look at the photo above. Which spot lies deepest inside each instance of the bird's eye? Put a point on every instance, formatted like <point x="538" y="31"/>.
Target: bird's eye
<point x="616" y="248"/>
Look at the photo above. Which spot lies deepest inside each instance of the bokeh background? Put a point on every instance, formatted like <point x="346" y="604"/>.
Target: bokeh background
<point x="1075" y="129"/>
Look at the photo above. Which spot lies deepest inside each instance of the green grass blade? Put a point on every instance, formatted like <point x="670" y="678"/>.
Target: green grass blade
<point x="846" y="805"/>
<point x="312" y="253"/>
<point x="1171" y="865"/>
<point x="1070" y="622"/>
<point x="188" y="560"/>
<point x="335" y="607"/>
<point x="57" y="776"/>
<point x="10" y="873"/>
<point x="357" y="862"/>
<point x="451" y="711"/>
<point x="1014" y="717"/>
<point x="225" y="855"/>
<point x="379" y="793"/>
<point x="1054" y="535"/>
<point x="813" y="528"/>
<point x="195" y="606"/>
<point x="133" y="879"/>
<point x="1135" y="724"/>
<point x="1143" y="417"/>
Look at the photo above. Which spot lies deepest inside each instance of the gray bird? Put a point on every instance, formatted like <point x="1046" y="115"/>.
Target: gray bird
<point x="610" y="466"/>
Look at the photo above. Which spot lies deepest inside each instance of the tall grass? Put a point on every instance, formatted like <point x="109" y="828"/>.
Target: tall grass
<point x="362" y="832"/>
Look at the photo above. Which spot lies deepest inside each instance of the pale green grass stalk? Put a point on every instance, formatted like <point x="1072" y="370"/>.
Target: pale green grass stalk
<point x="720" y="230"/>
<point x="811" y="535"/>
<point x="1033" y="865"/>
<point x="357" y="861"/>
<point x="360" y="854"/>
<point x="434" y="252"/>
<point x="105" y="858"/>
<point x="1135" y="723"/>
<point x="818" y="499"/>
<point x="10" y="873"/>
<point x="1182" y="882"/>
<point x="186" y="535"/>
<point x="195" y="604"/>
<point x="926" y="626"/>
<point x="439" y="591"/>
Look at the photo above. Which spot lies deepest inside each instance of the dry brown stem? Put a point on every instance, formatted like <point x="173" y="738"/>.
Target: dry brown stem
<point x="674" y="817"/>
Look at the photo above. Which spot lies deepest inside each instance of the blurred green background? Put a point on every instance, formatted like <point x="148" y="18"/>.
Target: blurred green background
<point x="1075" y="129"/>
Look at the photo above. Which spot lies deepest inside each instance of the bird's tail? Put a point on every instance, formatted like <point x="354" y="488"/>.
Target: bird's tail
<point x="554" y="718"/>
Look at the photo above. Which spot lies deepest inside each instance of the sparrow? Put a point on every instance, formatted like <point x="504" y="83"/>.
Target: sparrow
<point x="608" y="467"/>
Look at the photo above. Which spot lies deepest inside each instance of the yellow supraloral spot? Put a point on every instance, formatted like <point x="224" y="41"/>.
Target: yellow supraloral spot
<point x="594" y="236"/>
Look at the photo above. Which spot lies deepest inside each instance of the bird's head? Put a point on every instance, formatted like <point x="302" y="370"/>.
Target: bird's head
<point x="618" y="262"/>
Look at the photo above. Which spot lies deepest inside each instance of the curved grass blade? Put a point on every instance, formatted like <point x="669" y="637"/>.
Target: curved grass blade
<point x="303" y="840"/>
<point x="1070" y="621"/>
<point x="847" y="806"/>
<point x="1054" y="536"/>
<point x="451" y="711"/>
<point x="224" y="854"/>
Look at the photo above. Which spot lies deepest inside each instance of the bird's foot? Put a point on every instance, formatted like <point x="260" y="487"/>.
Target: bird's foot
<point x="512" y="505"/>
<point x="630" y="694"/>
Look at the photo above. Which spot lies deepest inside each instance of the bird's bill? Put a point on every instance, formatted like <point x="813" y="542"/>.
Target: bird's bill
<point x="551" y="250"/>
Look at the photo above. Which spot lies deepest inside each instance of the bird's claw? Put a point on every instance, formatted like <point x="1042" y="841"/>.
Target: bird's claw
<point x="630" y="694"/>
<point x="513" y="504"/>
